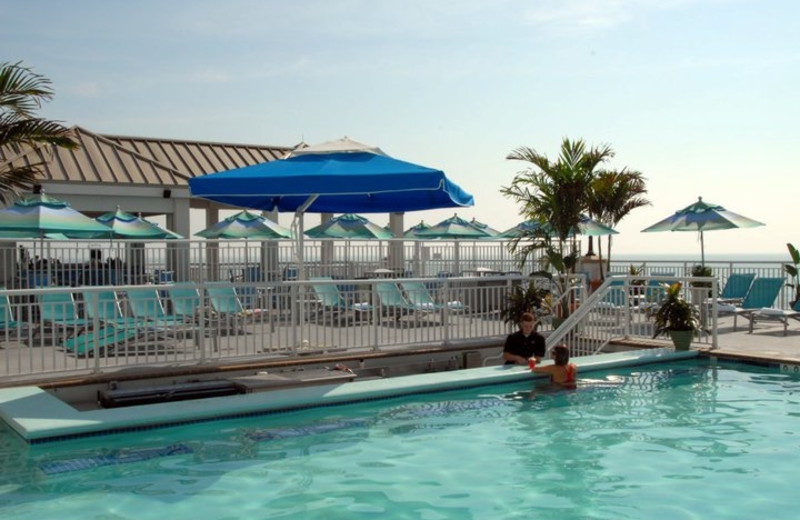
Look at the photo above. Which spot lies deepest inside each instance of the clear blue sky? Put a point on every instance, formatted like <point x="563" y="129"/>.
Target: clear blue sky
<point x="700" y="96"/>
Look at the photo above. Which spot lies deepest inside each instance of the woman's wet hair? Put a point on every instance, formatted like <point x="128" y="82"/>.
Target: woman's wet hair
<point x="560" y="354"/>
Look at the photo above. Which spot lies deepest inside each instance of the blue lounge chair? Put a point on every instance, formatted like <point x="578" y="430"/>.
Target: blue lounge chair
<point x="736" y="287"/>
<point x="8" y="322"/>
<point x="781" y="315"/>
<point x="104" y="306"/>
<point x="393" y="303"/>
<point x="185" y="300"/>
<point x="103" y="340"/>
<point x="58" y="310"/>
<point x="762" y="294"/>
<point x="420" y="298"/>
<point x="228" y="308"/>
<point x="146" y="306"/>
<point x="333" y="304"/>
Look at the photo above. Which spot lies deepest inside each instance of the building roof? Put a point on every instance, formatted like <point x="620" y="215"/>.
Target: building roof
<point x="137" y="160"/>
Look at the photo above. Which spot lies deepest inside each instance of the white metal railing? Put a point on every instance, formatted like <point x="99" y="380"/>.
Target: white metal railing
<point x="619" y="309"/>
<point x="99" y="328"/>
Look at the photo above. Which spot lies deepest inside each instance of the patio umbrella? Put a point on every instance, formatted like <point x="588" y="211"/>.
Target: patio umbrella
<point x="349" y="226"/>
<point x="702" y="216"/>
<point x="339" y="179"/>
<point x="413" y="231"/>
<point x="246" y="225"/>
<point x="484" y="227"/>
<point x="127" y="225"/>
<point x="454" y="227"/>
<point x="586" y="226"/>
<point x="40" y="216"/>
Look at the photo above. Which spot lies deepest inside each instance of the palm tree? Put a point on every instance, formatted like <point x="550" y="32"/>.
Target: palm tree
<point x="613" y="196"/>
<point x="555" y="194"/>
<point x="22" y="92"/>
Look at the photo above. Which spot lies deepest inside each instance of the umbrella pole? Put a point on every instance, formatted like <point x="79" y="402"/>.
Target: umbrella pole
<point x="702" y="250"/>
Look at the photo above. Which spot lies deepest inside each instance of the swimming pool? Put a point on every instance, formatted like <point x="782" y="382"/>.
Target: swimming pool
<point x="675" y="440"/>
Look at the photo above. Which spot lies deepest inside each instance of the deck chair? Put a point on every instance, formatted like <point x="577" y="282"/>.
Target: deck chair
<point x="762" y="294"/>
<point x="781" y="315"/>
<point x="146" y="306"/>
<point x="58" y="310"/>
<point x="228" y="308"/>
<point x="332" y="303"/>
<point x="736" y="288"/>
<point x="8" y="322"/>
<point x="185" y="301"/>
<point x="419" y="297"/>
<point x="104" y="306"/>
<point x="393" y="303"/>
<point x="107" y="339"/>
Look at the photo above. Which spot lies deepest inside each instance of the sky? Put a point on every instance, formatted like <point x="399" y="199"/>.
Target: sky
<point x="698" y="95"/>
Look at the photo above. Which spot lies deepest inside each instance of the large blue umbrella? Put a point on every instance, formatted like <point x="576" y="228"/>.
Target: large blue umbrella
<point x="353" y="181"/>
<point x="333" y="183"/>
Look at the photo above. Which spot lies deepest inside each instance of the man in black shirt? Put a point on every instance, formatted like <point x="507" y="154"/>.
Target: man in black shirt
<point x="525" y="343"/>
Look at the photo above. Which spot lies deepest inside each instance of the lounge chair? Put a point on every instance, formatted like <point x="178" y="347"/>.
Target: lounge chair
<point x="781" y="315"/>
<point x="333" y="304"/>
<point x="419" y="297"/>
<point x="8" y="322"/>
<point x="736" y="288"/>
<point x="146" y="306"/>
<point x="185" y="300"/>
<point x="59" y="311"/>
<point x="104" y="306"/>
<point x="762" y="294"/>
<point x="228" y="308"/>
<point x="393" y="303"/>
<point x="102" y="340"/>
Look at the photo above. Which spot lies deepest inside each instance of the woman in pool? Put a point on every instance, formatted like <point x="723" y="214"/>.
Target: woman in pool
<point x="562" y="372"/>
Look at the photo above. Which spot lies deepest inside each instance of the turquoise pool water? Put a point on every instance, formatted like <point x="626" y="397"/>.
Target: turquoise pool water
<point x="673" y="441"/>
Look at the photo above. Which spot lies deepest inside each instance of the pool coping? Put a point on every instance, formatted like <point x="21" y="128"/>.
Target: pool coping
<point x="38" y="416"/>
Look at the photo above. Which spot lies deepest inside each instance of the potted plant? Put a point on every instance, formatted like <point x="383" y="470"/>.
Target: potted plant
<point x="521" y="299"/>
<point x="701" y="294"/>
<point x="792" y="270"/>
<point x="676" y="317"/>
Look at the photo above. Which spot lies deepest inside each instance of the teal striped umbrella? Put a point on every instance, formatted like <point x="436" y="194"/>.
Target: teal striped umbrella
<point x="127" y="225"/>
<point x="349" y="226"/>
<point x="414" y="231"/>
<point x="484" y="227"/>
<point x="454" y="227"/>
<point x="40" y="216"/>
<point x="248" y="226"/>
<point x="587" y="227"/>
<point x="703" y="216"/>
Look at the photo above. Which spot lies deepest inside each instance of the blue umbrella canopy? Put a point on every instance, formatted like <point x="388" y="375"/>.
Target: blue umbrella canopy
<point x="349" y="226"/>
<point x="346" y="182"/>
<point x="702" y="216"/>
<point x="454" y="227"/>
<point x="246" y="225"/>
<point x="41" y="216"/>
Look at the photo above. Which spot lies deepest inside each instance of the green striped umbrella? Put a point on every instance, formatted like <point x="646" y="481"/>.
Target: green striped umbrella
<point x="248" y="226"/>
<point x="127" y="225"/>
<point x="349" y="226"/>
<point x="484" y="227"/>
<point x="40" y="216"/>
